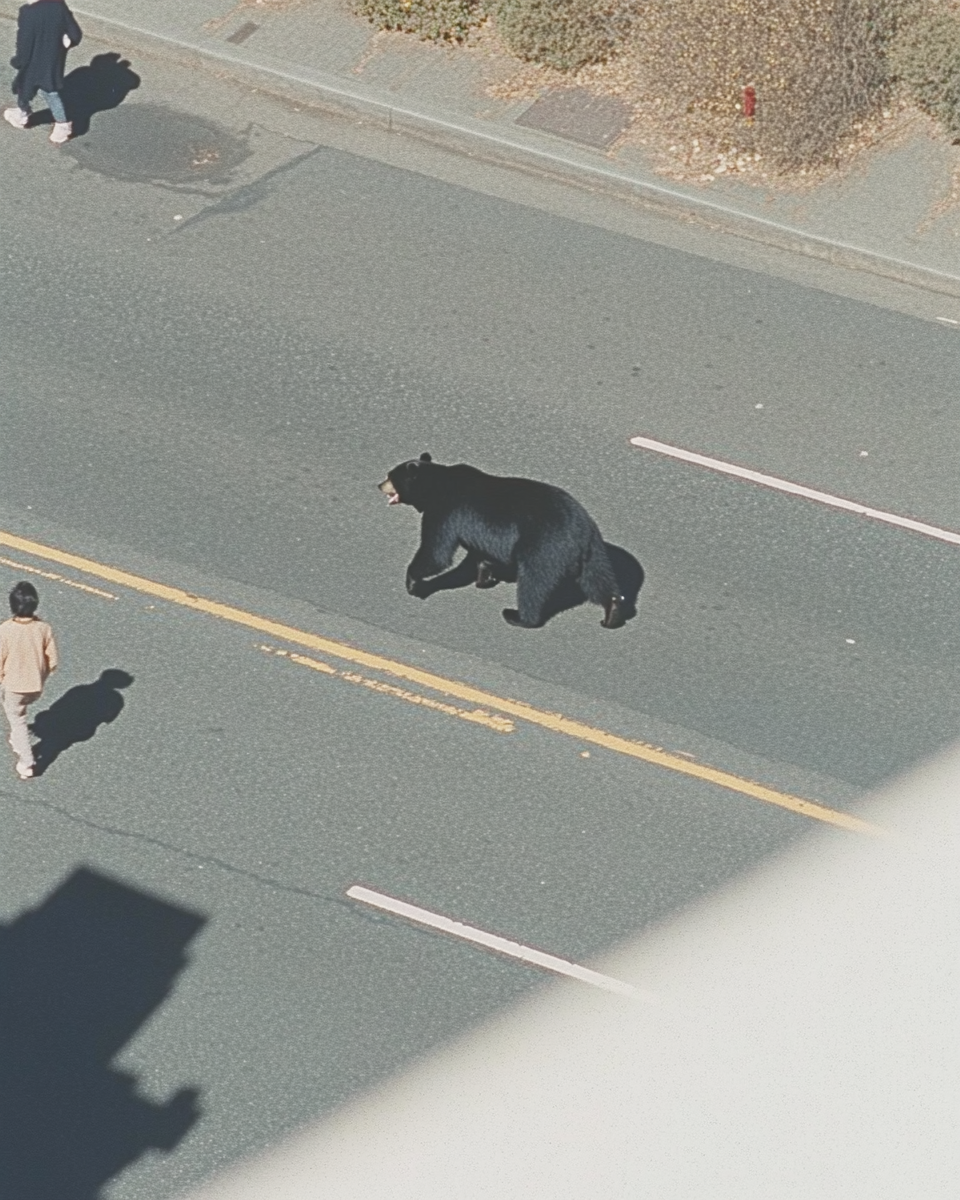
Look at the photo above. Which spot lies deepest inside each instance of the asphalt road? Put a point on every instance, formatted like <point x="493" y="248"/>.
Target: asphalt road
<point x="224" y="321"/>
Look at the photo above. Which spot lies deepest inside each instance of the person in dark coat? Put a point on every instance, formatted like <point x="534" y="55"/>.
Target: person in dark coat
<point x="46" y="29"/>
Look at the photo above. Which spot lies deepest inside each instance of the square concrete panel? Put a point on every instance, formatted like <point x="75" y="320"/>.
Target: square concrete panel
<point x="579" y="116"/>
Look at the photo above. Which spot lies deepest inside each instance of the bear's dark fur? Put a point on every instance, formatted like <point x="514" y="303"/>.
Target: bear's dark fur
<point x="511" y="528"/>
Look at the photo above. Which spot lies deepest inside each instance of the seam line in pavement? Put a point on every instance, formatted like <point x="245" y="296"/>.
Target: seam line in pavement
<point x="882" y="264"/>
<point x="554" y="722"/>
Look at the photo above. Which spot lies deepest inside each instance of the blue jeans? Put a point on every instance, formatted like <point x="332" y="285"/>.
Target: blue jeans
<point x="54" y="103"/>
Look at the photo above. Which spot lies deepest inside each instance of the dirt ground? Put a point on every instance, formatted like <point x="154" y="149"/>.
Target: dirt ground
<point x="684" y="148"/>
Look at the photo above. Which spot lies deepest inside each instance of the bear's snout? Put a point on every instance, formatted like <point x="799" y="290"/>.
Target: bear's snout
<point x="389" y="491"/>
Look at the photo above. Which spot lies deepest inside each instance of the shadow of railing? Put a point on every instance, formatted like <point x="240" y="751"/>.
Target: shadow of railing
<point x="79" y="975"/>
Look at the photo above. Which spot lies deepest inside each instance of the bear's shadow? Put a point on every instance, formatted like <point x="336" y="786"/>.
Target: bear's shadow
<point x="568" y="595"/>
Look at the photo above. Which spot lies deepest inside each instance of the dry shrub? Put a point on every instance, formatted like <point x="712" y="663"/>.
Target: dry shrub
<point x="432" y="20"/>
<point x="564" y="34"/>
<point x="817" y="66"/>
<point x="925" y="55"/>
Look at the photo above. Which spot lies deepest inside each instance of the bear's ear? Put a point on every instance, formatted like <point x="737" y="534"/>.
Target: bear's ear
<point x="425" y="457"/>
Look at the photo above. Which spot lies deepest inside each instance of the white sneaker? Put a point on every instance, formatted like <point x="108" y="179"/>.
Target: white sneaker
<point x="62" y="132"/>
<point x="16" y="117"/>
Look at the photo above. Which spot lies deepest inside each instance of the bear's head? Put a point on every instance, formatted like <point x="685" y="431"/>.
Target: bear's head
<point x="409" y="483"/>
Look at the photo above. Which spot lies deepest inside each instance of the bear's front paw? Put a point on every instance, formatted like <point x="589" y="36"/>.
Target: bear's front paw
<point x="417" y="587"/>
<point x="512" y="617"/>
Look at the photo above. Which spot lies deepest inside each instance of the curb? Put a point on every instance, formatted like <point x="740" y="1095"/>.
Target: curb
<point x="530" y="151"/>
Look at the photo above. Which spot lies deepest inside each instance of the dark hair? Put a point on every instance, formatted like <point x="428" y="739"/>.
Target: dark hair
<point x="24" y="599"/>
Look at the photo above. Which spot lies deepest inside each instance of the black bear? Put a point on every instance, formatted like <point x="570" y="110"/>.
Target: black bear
<point x="510" y="528"/>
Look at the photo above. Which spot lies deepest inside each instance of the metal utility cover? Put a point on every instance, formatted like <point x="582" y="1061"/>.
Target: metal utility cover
<point x="578" y="116"/>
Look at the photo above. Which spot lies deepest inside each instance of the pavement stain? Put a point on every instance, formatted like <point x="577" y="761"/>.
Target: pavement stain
<point x="151" y="143"/>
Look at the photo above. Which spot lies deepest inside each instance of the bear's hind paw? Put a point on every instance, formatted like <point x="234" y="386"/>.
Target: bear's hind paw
<point x="613" y="617"/>
<point x="486" y="576"/>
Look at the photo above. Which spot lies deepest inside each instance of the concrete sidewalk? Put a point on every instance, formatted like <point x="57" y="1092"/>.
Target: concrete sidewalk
<point x="890" y="215"/>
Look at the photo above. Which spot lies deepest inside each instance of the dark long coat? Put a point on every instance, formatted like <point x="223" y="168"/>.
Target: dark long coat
<point x="41" y="54"/>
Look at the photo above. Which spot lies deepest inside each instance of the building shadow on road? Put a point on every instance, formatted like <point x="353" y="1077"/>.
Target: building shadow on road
<point x="103" y="83"/>
<point x="77" y="715"/>
<point x="79" y="975"/>
<point x="627" y="569"/>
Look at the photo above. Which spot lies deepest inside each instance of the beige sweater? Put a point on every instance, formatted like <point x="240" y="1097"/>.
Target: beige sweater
<point x="28" y="654"/>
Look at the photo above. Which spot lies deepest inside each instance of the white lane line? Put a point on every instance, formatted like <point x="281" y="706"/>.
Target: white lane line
<point x="491" y="941"/>
<point x="797" y="489"/>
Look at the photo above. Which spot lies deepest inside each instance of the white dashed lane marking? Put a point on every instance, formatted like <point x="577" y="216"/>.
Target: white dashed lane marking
<point x="491" y="941"/>
<point x="796" y="489"/>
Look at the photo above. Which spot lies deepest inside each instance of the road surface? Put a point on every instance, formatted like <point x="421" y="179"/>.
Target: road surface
<point x="224" y="320"/>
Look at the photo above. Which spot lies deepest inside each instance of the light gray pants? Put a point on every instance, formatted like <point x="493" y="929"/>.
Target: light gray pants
<point x="15" y="706"/>
<point x="54" y="103"/>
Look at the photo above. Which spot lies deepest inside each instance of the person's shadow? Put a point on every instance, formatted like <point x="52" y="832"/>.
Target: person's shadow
<point x="103" y="83"/>
<point x="626" y="568"/>
<point x="77" y="716"/>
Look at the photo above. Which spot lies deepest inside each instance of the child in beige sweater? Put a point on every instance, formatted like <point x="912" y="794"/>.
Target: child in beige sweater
<point x="28" y="654"/>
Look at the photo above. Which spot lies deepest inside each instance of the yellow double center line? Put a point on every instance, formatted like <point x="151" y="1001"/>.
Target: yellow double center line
<point x="554" y="722"/>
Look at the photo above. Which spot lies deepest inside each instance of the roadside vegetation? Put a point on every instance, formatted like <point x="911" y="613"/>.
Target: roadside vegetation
<point x="433" y="20"/>
<point x="924" y="55"/>
<point x="733" y="86"/>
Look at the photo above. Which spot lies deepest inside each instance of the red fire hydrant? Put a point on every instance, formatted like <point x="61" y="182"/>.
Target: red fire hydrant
<point x="749" y="101"/>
